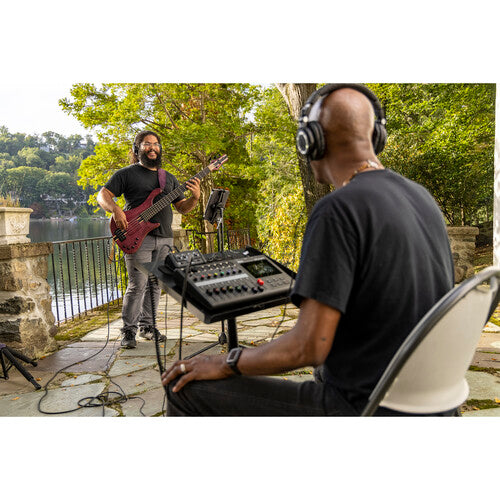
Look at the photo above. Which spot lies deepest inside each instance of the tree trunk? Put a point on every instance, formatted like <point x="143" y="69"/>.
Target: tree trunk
<point x="296" y="95"/>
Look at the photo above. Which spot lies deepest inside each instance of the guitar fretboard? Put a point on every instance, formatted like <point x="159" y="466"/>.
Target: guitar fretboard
<point x="166" y="200"/>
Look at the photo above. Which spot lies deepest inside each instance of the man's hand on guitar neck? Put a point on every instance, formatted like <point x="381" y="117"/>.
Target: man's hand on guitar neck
<point x="187" y="205"/>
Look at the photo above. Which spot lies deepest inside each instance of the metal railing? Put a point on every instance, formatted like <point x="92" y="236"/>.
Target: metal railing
<point x="84" y="274"/>
<point x="208" y="241"/>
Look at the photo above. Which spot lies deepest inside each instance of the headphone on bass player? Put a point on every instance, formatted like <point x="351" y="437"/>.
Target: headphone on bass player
<point x="310" y="138"/>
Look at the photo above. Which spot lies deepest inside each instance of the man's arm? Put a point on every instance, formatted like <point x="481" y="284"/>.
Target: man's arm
<point x="106" y="202"/>
<point x="185" y="206"/>
<point x="306" y="344"/>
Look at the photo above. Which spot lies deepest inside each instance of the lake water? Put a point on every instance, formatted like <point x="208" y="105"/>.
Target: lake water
<point x="62" y="230"/>
<point x="81" y="275"/>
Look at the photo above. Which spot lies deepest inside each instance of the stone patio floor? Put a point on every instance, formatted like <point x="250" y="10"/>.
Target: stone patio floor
<point x="97" y="365"/>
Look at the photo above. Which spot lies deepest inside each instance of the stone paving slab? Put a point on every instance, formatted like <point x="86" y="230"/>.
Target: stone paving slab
<point x="491" y="327"/>
<point x="490" y="412"/>
<point x="257" y="333"/>
<point x="57" y="400"/>
<point x="147" y="348"/>
<point x="483" y="385"/>
<point x="77" y="359"/>
<point x="17" y="384"/>
<point x="189" y="348"/>
<point x="153" y="403"/>
<point x="132" y="364"/>
<point x="489" y="340"/>
<point x="486" y="360"/>
<point x="80" y="380"/>
<point x="137" y="382"/>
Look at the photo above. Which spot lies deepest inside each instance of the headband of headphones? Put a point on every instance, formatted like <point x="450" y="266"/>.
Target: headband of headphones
<point x="310" y="137"/>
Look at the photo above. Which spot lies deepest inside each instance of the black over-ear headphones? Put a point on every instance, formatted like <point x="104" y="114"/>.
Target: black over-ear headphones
<point x="310" y="137"/>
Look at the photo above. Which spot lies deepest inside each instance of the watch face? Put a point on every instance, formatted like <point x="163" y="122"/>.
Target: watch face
<point x="232" y="359"/>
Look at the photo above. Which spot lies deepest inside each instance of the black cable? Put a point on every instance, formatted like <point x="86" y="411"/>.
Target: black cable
<point x="103" y="398"/>
<point x="183" y="301"/>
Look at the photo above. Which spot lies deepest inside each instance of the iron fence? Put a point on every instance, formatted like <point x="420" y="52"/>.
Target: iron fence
<point x="84" y="274"/>
<point x="208" y="241"/>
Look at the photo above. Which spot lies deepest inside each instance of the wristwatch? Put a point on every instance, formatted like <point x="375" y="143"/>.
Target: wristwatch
<point x="232" y="359"/>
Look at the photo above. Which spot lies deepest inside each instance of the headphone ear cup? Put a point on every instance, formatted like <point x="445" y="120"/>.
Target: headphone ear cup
<point x="379" y="138"/>
<point x="318" y="141"/>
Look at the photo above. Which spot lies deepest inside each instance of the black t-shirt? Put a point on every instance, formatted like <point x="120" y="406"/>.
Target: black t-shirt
<point x="136" y="182"/>
<point x="378" y="251"/>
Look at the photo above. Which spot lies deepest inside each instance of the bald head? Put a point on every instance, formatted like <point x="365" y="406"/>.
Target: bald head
<point x="347" y="119"/>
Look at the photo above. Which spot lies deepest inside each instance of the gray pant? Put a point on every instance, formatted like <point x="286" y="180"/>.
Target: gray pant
<point x="137" y="300"/>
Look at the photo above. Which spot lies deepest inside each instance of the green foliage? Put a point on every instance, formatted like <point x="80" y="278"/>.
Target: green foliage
<point x="195" y="122"/>
<point x="442" y="136"/>
<point x="282" y="230"/>
<point x="280" y="204"/>
<point x="8" y="201"/>
<point x="28" y="162"/>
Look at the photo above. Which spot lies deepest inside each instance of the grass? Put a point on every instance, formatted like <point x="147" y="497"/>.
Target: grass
<point x="483" y="257"/>
<point x="90" y="320"/>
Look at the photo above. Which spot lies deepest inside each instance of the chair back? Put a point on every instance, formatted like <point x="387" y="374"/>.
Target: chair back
<point x="427" y="373"/>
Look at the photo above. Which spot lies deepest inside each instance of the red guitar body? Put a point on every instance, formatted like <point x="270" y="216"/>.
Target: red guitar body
<point x="137" y="228"/>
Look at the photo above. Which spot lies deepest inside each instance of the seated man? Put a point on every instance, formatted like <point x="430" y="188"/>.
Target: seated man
<point x="375" y="258"/>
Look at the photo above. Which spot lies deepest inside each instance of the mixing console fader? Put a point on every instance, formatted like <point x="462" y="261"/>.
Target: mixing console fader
<point x="228" y="279"/>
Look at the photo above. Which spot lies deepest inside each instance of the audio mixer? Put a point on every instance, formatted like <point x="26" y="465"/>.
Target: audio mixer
<point x="228" y="279"/>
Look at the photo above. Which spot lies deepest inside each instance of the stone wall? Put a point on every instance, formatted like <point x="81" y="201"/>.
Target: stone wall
<point x="26" y="319"/>
<point x="463" y="244"/>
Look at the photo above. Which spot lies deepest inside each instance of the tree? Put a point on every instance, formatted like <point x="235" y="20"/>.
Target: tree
<point x="30" y="156"/>
<point x="296" y="95"/>
<point x="196" y="122"/>
<point x="442" y="136"/>
<point x="22" y="183"/>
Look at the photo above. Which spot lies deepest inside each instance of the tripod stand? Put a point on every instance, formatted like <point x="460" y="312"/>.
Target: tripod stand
<point x="11" y="355"/>
<point x="214" y="213"/>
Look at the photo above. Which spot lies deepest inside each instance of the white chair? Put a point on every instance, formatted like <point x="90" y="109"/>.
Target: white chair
<point x="427" y="373"/>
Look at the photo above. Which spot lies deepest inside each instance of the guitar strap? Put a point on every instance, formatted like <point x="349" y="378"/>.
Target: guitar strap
<point x="162" y="178"/>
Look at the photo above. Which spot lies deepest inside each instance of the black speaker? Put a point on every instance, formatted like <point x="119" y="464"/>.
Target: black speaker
<point x="310" y="138"/>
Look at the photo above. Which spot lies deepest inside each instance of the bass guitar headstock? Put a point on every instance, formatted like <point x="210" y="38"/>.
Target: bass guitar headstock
<point x="217" y="164"/>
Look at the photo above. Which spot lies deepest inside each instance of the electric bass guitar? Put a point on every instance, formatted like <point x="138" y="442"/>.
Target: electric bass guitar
<point x="130" y="239"/>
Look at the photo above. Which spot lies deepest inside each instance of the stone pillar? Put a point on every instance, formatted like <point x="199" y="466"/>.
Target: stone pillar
<point x="463" y="245"/>
<point x="181" y="239"/>
<point x="14" y="225"/>
<point x="26" y="319"/>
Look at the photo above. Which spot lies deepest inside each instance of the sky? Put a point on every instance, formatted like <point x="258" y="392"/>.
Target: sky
<point x="34" y="109"/>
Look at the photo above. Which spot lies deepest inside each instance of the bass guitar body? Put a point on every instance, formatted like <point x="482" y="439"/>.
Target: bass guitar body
<point x="131" y="239"/>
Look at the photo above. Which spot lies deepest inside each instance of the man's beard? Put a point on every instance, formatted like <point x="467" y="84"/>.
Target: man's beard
<point x="148" y="162"/>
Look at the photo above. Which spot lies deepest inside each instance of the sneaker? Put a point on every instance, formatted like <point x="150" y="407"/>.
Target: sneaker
<point x="148" y="333"/>
<point x="128" y="339"/>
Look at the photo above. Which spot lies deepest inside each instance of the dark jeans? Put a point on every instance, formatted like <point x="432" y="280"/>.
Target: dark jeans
<point x="257" y="396"/>
<point x="266" y="397"/>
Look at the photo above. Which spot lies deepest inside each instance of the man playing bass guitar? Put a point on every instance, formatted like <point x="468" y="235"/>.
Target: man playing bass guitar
<point x="136" y="182"/>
